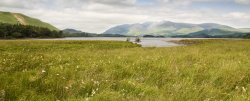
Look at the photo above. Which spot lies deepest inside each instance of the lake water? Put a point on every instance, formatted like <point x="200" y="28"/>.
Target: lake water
<point x="145" y="42"/>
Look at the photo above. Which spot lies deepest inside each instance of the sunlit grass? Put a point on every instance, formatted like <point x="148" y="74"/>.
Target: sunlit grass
<point x="106" y="70"/>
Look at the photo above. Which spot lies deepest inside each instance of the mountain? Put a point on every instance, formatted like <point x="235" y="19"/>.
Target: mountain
<point x="247" y="30"/>
<point x="214" y="33"/>
<point x="77" y="33"/>
<point x="167" y="28"/>
<point x="71" y="31"/>
<point x="17" y="18"/>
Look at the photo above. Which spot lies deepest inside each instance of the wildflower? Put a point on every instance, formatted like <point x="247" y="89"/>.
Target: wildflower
<point x="141" y="94"/>
<point x="43" y="71"/>
<point x="244" y="89"/>
<point x="2" y="93"/>
<point x="239" y="62"/>
<point x="93" y="93"/>
<point x="83" y="82"/>
<point x="96" y="82"/>
<point x="57" y="74"/>
<point x="236" y="87"/>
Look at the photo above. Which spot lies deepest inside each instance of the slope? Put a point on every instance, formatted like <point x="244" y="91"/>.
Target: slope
<point x="17" y="18"/>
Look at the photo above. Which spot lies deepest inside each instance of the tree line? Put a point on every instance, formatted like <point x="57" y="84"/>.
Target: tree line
<point x="85" y="34"/>
<point x="8" y="31"/>
<point x="248" y="36"/>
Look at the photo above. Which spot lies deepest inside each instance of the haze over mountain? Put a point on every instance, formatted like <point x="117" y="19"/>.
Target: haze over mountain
<point x="168" y="28"/>
<point x="18" y="18"/>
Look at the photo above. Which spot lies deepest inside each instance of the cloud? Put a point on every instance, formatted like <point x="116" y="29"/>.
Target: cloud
<point x="246" y="2"/>
<point x="115" y="2"/>
<point x="99" y="15"/>
<point x="184" y="2"/>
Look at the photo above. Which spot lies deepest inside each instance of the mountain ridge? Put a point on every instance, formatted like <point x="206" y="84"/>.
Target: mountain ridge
<point x="167" y="28"/>
<point x="18" y="18"/>
<point x="71" y="31"/>
<point x="214" y="33"/>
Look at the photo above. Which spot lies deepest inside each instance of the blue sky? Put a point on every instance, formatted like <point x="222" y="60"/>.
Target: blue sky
<point x="99" y="15"/>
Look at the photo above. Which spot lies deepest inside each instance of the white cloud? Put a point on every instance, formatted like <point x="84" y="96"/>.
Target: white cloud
<point x="98" y="15"/>
<point x="243" y="1"/>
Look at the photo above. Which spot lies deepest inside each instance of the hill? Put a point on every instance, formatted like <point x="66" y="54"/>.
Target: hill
<point x="71" y="31"/>
<point x="247" y="30"/>
<point x="168" y="29"/>
<point x="214" y="33"/>
<point x="17" y="18"/>
<point x="77" y="33"/>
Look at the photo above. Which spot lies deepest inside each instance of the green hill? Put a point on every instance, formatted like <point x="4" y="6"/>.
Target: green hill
<point x="17" y="18"/>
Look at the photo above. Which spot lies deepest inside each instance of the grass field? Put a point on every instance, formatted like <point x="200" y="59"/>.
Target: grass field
<point x="120" y="71"/>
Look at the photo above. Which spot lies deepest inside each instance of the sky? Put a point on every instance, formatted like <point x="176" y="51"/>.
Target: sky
<point x="96" y="16"/>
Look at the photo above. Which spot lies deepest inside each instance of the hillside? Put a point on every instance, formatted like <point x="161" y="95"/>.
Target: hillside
<point x="167" y="28"/>
<point x="247" y="30"/>
<point x="214" y="33"/>
<point x="77" y="33"/>
<point x="71" y="31"/>
<point x="17" y="18"/>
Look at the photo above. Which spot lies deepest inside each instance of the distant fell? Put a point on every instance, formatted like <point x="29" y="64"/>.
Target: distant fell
<point x="169" y="29"/>
<point x="18" y="18"/>
<point x="71" y="31"/>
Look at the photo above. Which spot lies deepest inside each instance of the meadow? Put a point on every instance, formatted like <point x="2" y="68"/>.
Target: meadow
<point x="38" y="70"/>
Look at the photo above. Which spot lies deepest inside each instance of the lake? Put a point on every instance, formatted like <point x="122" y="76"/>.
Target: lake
<point x="145" y="42"/>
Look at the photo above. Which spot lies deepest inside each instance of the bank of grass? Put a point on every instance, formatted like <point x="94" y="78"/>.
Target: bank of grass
<point x="111" y="71"/>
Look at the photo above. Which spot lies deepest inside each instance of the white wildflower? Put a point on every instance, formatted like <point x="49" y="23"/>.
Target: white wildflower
<point x="43" y="71"/>
<point x="83" y="82"/>
<point x="244" y="89"/>
<point x="2" y="92"/>
<point x="93" y="93"/>
<point x="96" y="82"/>
<point x="236" y="87"/>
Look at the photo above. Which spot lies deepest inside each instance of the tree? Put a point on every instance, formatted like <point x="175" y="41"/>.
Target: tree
<point x="16" y="35"/>
<point x="22" y="31"/>
<point x="137" y="40"/>
<point x="248" y="36"/>
<point x="128" y="40"/>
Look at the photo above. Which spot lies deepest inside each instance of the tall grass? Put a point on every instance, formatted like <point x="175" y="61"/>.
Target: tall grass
<point x="111" y="71"/>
